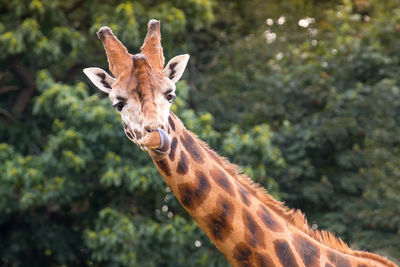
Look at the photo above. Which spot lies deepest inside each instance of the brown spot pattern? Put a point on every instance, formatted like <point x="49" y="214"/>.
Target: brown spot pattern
<point x="284" y="253"/>
<point x="219" y="222"/>
<point x="308" y="252"/>
<point x="338" y="260"/>
<point x="192" y="147"/>
<point x="193" y="194"/>
<point x="264" y="260"/>
<point x="183" y="167"/>
<point x="244" y="196"/>
<point x="268" y="219"/>
<point x="171" y="123"/>
<point x="362" y="265"/>
<point x="253" y="234"/>
<point x="222" y="180"/>
<point x="242" y="254"/>
<point x="173" y="149"/>
<point x="163" y="165"/>
<point x="138" y="134"/>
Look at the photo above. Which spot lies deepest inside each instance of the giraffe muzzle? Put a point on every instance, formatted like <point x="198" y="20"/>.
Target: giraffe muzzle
<point x="157" y="140"/>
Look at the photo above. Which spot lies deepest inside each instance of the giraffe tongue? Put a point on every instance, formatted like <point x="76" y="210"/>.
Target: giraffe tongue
<point x="157" y="140"/>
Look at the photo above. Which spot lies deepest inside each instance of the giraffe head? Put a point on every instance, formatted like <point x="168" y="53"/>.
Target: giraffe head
<point x="142" y="90"/>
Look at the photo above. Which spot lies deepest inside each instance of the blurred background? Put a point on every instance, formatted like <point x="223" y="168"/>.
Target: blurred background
<point x="304" y="95"/>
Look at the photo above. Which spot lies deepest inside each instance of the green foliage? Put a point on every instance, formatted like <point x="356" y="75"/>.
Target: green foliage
<point x="330" y="91"/>
<point x="94" y="196"/>
<point x="259" y="158"/>
<point x="311" y="112"/>
<point x="113" y="240"/>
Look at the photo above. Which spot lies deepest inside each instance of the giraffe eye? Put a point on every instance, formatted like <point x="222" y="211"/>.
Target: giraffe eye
<point x="119" y="106"/>
<point x="170" y="97"/>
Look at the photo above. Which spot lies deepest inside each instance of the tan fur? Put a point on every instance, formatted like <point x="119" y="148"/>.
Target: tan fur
<point x="328" y="242"/>
<point x="119" y="60"/>
<point x="152" y="46"/>
<point x="295" y="217"/>
<point x="231" y="225"/>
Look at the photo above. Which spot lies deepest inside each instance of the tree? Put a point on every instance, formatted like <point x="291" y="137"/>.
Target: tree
<point x="328" y="87"/>
<point x="313" y="116"/>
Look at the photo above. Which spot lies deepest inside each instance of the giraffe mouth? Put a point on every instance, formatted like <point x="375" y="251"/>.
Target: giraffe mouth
<point x="158" y="141"/>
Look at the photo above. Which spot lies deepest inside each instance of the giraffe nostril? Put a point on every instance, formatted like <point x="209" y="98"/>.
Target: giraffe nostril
<point x="151" y="127"/>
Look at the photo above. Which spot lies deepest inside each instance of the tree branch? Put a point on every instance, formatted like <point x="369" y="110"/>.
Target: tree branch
<point x="28" y="78"/>
<point x="7" y="115"/>
<point x="8" y="88"/>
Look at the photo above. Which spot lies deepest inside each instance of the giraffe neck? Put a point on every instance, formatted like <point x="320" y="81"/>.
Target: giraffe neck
<point x="245" y="223"/>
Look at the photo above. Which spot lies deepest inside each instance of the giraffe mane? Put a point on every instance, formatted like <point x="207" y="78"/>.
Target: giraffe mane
<point x="293" y="216"/>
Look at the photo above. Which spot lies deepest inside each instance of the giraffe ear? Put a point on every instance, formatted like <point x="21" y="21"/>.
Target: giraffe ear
<point x="175" y="67"/>
<point x="100" y="78"/>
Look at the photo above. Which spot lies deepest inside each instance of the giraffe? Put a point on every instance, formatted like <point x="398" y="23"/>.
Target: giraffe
<point x="243" y="221"/>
